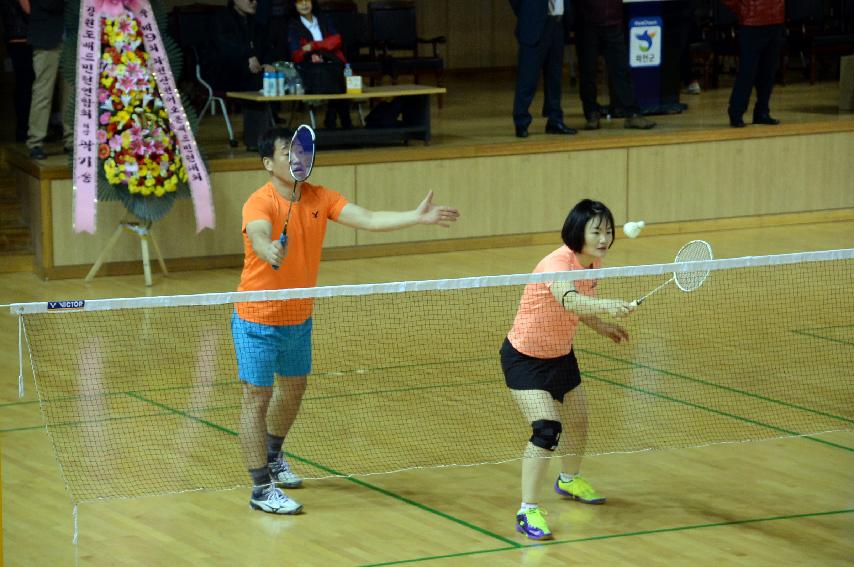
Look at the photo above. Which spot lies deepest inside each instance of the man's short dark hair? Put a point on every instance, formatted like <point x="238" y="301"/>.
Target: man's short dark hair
<point x="267" y="141"/>
<point x="577" y="219"/>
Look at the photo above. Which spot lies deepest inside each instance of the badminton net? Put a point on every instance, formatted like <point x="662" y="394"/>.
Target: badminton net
<point x="140" y="396"/>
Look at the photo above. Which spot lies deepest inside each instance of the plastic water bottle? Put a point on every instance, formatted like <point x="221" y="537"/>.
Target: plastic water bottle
<point x="348" y="72"/>
<point x="281" y="87"/>
<point x="298" y="86"/>
<point x="269" y="87"/>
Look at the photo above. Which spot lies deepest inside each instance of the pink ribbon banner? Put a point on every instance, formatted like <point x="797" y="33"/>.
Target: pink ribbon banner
<point x="85" y="146"/>
<point x="200" y="184"/>
<point x="85" y="174"/>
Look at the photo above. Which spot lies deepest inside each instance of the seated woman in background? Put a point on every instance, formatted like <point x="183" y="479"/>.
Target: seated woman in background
<point x="313" y="39"/>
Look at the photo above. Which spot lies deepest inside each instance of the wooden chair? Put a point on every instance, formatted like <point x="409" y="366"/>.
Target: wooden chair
<point x="394" y="36"/>
<point x="190" y="27"/>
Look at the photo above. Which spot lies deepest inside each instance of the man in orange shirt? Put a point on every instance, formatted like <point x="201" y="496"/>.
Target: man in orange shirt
<point x="539" y="363"/>
<point x="273" y="338"/>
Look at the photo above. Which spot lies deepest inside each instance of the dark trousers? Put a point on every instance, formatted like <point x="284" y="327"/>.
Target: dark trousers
<point x="688" y="32"/>
<point x="759" y="54"/>
<point x="546" y="55"/>
<point x="21" y="55"/>
<point x="611" y="42"/>
<point x="257" y="117"/>
<point x="340" y="110"/>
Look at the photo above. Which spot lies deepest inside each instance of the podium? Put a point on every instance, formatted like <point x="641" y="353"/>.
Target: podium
<point x="655" y="48"/>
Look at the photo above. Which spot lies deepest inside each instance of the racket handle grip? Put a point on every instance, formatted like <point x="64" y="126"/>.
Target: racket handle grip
<point x="283" y="240"/>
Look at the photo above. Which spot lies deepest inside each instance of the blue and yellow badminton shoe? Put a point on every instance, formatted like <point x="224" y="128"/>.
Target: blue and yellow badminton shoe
<point x="532" y="523"/>
<point x="578" y="489"/>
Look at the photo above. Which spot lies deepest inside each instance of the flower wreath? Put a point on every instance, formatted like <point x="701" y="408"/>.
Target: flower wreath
<point x="134" y="139"/>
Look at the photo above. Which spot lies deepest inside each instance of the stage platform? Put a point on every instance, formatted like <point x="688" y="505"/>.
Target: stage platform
<point x="692" y="170"/>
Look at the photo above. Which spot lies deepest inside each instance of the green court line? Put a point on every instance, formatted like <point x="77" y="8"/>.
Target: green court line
<point x="181" y="413"/>
<point x="418" y="505"/>
<point x="715" y="411"/>
<point x="428" y="387"/>
<point x="822" y="337"/>
<point x="615" y="536"/>
<point x="513" y="544"/>
<point x="827" y="327"/>
<point x="398" y="390"/>
<point x="357" y="481"/>
<point x="110" y="394"/>
<point x="342" y="373"/>
<point x="719" y="386"/>
<point x="629" y="365"/>
<point x="83" y="422"/>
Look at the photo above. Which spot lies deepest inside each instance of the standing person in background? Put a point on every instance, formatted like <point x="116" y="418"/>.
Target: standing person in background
<point x="45" y="36"/>
<point x="240" y="54"/>
<point x="600" y="30"/>
<point x="760" y="39"/>
<point x="539" y="31"/>
<point x="240" y="47"/>
<point x="15" y="19"/>
<point x="689" y="32"/>
<point x="313" y="39"/>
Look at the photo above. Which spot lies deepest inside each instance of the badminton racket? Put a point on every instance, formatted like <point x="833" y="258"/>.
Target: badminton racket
<point x="301" y="161"/>
<point x="694" y="251"/>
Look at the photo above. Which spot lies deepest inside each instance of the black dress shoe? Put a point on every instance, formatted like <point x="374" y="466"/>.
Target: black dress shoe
<point x="559" y="128"/>
<point x="521" y="131"/>
<point x="736" y="122"/>
<point x="765" y="119"/>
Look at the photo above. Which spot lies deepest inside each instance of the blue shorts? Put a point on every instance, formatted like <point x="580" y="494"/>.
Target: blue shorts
<point x="266" y="350"/>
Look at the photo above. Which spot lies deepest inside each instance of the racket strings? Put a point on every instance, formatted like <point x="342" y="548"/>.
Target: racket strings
<point x="694" y="251"/>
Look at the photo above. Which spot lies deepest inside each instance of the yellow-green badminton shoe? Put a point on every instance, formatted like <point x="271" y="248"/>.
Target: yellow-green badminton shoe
<point x="578" y="489"/>
<point x="532" y="523"/>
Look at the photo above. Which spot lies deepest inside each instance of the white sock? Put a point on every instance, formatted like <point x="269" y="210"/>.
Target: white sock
<point x="525" y="506"/>
<point x="566" y="477"/>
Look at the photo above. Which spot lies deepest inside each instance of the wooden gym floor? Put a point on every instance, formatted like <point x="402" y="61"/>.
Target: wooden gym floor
<point x="784" y="501"/>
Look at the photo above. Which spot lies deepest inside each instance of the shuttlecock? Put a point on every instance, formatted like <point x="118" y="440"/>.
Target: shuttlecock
<point x="632" y="229"/>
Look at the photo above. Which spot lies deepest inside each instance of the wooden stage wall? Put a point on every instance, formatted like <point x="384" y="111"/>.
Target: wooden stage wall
<point x="505" y="192"/>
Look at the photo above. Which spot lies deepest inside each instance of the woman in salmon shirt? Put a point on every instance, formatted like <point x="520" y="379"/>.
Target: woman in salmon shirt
<point x="540" y="367"/>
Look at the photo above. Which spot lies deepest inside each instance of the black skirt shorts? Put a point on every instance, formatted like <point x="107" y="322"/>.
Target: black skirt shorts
<point x="557" y="376"/>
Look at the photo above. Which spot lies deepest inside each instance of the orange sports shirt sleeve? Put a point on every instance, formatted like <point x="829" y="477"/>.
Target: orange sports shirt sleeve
<point x="542" y="327"/>
<point x="306" y="231"/>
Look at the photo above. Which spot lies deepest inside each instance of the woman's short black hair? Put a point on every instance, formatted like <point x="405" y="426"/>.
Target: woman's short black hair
<point x="267" y="141"/>
<point x="577" y="219"/>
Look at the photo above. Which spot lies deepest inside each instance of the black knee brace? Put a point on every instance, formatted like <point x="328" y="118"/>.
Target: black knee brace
<point x="546" y="434"/>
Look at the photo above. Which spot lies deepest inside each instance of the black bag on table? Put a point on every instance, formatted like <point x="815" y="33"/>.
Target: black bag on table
<point x="385" y="114"/>
<point x="323" y="78"/>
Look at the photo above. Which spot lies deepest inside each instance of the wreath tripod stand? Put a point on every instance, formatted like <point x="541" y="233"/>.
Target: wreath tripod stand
<point x="143" y="231"/>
